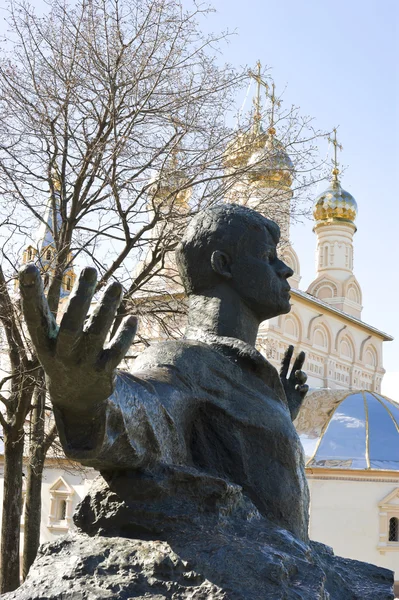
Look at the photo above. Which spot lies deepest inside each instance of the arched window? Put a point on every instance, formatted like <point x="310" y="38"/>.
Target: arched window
<point x="48" y="255"/>
<point x="30" y="254"/>
<point x="68" y="284"/>
<point x="326" y="255"/>
<point x="393" y="529"/>
<point x="62" y="506"/>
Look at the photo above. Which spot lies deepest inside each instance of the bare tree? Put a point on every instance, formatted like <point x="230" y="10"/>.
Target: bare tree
<point x="115" y="111"/>
<point x="94" y="98"/>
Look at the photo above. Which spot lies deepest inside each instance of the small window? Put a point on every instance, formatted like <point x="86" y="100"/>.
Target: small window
<point x="61" y="495"/>
<point x="30" y="254"/>
<point x="62" y="506"/>
<point x="48" y="255"/>
<point x="393" y="529"/>
<point x="68" y="284"/>
<point x="326" y="256"/>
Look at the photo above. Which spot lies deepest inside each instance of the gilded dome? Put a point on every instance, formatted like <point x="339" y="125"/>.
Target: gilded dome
<point x="239" y="150"/>
<point x="271" y="162"/>
<point x="262" y="154"/>
<point x="335" y="204"/>
<point x="349" y="430"/>
<point x="169" y="185"/>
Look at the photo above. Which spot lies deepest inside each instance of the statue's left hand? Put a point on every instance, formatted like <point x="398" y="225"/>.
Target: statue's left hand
<point x="295" y="384"/>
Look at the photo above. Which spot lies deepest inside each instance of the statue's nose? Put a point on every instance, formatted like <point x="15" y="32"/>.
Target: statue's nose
<point x="284" y="270"/>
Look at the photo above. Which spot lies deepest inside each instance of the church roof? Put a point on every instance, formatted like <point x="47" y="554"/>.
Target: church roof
<point x="349" y="430"/>
<point x="343" y="315"/>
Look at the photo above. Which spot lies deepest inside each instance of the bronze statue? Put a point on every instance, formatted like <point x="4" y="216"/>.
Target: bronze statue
<point x="210" y="401"/>
<point x="203" y="491"/>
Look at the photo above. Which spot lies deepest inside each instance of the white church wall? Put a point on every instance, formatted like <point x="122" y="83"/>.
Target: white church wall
<point x="68" y="485"/>
<point x="345" y="514"/>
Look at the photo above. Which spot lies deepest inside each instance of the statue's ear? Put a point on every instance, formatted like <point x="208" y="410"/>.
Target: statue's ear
<point x="221" y="262"/>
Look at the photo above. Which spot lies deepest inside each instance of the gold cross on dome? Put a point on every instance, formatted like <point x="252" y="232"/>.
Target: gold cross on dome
<point x="337" y="145"/>
<point x="275" y="102"/>
<point x="257" y="102"/>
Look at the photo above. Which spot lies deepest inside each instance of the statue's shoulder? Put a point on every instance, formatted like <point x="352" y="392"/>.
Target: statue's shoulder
<point x="184" y="354"/>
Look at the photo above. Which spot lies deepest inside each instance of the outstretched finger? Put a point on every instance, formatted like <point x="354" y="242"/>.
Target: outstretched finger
<point x="298" y="364"/>
<point x="39" y="319"/>
<point x="285" y="363"/>
<point x="119" y="345"/>
<point x="100" y="322"/>
<point x="73" y="319"/>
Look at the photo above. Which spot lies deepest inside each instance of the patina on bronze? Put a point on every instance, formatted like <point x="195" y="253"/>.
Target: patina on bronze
<point x="210" y="401"/>
<point x="203" y="491"/>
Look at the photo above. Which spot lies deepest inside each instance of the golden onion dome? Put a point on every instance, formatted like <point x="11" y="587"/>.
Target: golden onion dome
<point x="168" y="185"/>
<point x="271" y="162"/>
<point x="239" y="150"/>
<point x="262" y="155"/>
<point x="335" y="204"/>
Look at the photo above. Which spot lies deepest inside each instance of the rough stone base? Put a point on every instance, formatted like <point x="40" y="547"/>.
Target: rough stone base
<point x="179" y="550"/>
<point x="79" y="567"/>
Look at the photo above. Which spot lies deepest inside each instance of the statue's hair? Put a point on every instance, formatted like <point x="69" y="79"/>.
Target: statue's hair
<point x="223" y="228"/>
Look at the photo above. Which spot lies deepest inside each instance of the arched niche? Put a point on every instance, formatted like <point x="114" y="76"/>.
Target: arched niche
<point x="320" y="338"/>
<point x="325" y="289"/>
<point x="353" y="292"/>
<point x="290" y="257"/>
<point x="346" y="348"/>
<point x="370" y="356"/>
<point x="292" y="327"/>
<point x="320" y="334"/>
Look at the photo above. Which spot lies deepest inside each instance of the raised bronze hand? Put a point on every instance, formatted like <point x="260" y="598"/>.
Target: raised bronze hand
<point x="79" y="367"/>
<point x="295" y="384"/>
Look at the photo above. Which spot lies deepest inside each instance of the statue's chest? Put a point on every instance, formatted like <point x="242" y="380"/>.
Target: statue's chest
<point x="239" y="429"/>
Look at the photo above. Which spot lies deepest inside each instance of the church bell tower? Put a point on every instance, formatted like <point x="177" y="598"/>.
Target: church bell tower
<point x="334" y="212"/>
<point x="43" y="251"/>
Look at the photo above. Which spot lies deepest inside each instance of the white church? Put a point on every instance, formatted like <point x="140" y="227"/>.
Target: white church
<point x="350" y="433"/>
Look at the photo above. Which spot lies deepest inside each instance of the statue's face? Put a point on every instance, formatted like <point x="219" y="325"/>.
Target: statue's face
<point x="260" y="277"/>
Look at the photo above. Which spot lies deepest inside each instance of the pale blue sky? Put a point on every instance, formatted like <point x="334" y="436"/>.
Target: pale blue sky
<point x="339" y="60"/>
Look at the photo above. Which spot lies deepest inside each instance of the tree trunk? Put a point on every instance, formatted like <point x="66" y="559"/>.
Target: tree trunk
<point x="33" y="499"/>
<point x="12" y="509"/>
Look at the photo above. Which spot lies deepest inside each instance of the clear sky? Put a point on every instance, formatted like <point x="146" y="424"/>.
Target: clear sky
<point x="339" y="61"/>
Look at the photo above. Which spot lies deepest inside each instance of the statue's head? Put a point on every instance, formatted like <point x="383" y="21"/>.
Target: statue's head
<point x="235" y="246"/>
